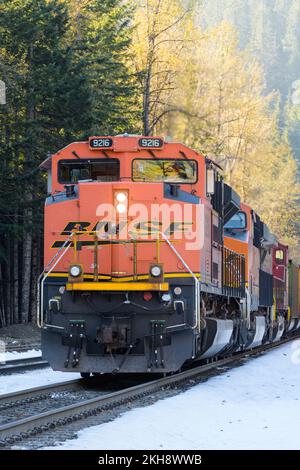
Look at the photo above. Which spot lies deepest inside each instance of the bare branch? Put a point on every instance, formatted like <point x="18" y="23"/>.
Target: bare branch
<point x="180" y="18"/>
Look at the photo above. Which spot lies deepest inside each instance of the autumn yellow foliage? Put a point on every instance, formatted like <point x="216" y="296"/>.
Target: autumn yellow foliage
<point x="213" y="99"/>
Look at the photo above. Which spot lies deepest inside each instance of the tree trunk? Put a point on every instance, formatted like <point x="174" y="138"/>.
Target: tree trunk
<point x="26" y="277"/>
<point x="2" y="306"/>
<point x="34" y="279"/>
<point x="26" y="268"/>
<point x="146" y="104"/>
<point x="147" y="89"/>
<point x="16" y="280"/>
<point x="28" y="197"/>
<point x="9" y="283"/>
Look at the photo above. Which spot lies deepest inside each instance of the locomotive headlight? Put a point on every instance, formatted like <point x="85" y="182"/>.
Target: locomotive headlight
<point x="121" y="208"/>
<point x="121" y="197"/>
<point x="156" y="271"/>
<point x="75" y="270"/>
<point x="121" y="201"/>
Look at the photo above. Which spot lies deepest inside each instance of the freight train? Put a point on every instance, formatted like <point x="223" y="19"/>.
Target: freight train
<point x="152" y="261"/>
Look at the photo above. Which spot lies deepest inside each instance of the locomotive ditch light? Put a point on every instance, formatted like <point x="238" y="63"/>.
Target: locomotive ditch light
<point x="156" y="272"/>
<point x="75" y="273"/>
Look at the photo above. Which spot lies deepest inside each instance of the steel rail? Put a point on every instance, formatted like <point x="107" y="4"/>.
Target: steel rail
<point x="22" y="347"/>
<point x="17" y="430"/>
<point x="37" y="393"/>
<point x="18" y="365"/>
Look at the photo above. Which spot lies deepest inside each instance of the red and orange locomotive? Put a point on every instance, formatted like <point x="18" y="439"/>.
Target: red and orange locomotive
<point x="152" y="261"/>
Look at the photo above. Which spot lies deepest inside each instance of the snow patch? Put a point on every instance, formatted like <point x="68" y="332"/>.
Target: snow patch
<point x="14" y="355"/>
<point x="254" y="406"/>
<point x="30" y="379"/>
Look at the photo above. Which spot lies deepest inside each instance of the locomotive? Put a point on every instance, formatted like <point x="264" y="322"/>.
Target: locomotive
<point x="151" y="261"/>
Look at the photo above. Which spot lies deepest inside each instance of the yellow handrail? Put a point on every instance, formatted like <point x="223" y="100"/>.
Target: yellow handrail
<point x="76" y="234"/>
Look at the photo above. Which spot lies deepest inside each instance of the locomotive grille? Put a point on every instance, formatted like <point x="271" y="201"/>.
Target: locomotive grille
<point x="233" y="274"/>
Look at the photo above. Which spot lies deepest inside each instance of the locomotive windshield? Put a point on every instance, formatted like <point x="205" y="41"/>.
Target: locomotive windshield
<point x="72" y="171"/>
<point x="238" y="221"/>
<point x="170" y="171"/>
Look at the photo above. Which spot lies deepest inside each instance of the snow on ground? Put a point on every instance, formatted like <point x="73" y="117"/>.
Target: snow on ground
<point x="256" y="406"/>
<point x="14" y="355"/>
<point x="34" y="378"/>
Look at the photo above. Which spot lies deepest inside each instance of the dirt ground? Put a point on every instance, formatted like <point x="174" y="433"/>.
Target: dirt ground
<point x="20" y="336"/>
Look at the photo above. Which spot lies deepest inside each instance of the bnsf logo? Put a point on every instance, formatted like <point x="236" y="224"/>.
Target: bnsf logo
<point x="141" y="229"/>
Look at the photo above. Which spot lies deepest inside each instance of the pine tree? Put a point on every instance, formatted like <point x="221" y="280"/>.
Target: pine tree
<point x="33" y="62"/>
<point x="67" y="78"/>
<point x="100" y="36"/>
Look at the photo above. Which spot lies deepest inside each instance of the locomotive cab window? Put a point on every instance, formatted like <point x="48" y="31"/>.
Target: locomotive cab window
<point x="72" y="171"/>
<point x="169" y="171"/>
<point x="238" y="221"/>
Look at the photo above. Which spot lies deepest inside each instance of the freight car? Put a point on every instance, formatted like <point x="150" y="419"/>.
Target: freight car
<point x="293" y="295"/>
<point x="152" y="261"/>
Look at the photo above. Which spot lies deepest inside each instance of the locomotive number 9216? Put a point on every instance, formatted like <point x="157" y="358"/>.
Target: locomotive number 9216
<point x="101" y="143"/>
<point x="150" y="143"/>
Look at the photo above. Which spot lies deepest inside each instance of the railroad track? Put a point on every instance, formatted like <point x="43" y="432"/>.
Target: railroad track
<point x="22" y="347"/>
<point x="79" y="400"/>
<point x="22" y="365"/>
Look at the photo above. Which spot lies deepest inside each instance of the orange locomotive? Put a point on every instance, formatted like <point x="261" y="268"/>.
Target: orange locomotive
<point x="151" y="260"/>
